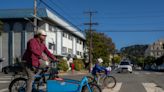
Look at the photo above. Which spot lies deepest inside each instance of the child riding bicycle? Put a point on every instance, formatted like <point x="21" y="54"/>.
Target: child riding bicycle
<point x="98" y="69"/>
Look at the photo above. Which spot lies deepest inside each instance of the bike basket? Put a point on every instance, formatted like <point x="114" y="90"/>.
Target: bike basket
<point x="62" y="86"/>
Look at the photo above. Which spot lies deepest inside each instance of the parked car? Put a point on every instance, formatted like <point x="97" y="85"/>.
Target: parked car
<point x="15" y="68"/>
<point x="125" y="66"/>
<point x="160" y="67"/>
<point x="138" y="68"/>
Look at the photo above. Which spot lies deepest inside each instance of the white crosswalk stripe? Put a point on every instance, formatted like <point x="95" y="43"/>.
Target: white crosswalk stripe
<point x="115" y="89"/>
<point x="5" y="79"/>
<point x="7" y="76"/>
<point x="147" y="73"/>
<point x="4" y="82"/>
<point x="137" y="73"/>
<point x="4" y="90"/>
<point x="159" y="73"/>
<point x="152" y="87"/>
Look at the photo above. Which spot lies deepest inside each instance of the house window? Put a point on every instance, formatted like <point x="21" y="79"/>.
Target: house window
<point x="81" y="42"/>
<point x="151" y="53"/>
<point x="77" y="52"/>
<point x="80" y="53"/>
<point x="51" y="46"/>
<point x="51" y="28"/>
<point x="64" y="50"/>
<point x="77" y="41"/>
<point x="70" y="37"/>
<point x="65" y="35"/>
<point x="152" y="48"/>
<point x="70" y="51"/>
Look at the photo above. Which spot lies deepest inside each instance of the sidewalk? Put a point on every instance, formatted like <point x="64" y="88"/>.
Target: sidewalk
<point x="74" y="73"/>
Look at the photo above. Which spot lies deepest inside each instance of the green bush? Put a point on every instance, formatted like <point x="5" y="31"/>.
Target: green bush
<point x="79" y="65"/>
<point x="62" y="65"/>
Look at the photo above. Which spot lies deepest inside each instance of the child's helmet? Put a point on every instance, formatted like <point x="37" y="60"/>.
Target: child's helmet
<point x="100" y="60"/>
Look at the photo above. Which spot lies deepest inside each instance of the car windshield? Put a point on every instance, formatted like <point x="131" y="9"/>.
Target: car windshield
<point x="124" y="63"/>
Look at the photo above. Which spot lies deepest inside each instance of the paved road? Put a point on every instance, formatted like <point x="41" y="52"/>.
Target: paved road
<point x="138" y="81"/>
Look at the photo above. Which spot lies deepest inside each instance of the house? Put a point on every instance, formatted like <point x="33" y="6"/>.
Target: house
<point x="63" y="38"/>
<point x="156" y="49"/>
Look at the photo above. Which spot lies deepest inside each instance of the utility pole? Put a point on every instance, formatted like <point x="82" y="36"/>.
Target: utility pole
<point x="90" y="40"/>
<point x="35" y="14"/>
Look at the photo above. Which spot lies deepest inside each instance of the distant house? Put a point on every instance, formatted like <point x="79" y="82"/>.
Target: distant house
<point x="63" y="38"/>
<point x="156" y="49"/>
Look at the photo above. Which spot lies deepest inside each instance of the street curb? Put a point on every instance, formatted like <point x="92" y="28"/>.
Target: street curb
<point x="75" y="73"/>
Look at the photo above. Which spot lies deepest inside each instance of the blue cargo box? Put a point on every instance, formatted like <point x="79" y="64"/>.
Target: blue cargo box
<point x="63" y="86"/>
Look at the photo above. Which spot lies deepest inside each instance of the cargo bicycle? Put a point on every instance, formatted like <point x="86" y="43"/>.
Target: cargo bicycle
<point x="53" y="84"/>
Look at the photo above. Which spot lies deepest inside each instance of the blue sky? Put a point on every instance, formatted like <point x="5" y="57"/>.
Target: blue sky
<point x="115" y="17"/>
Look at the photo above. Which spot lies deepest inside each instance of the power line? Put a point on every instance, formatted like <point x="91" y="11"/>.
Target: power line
<point x="125" y="17"/>
<point x="79" y="25"/>
<point x="63" y="11"/>
<point x="134" y="12"/>
<point x="157" y="30"/>
<point x="59" y="14"/>
<point x="128" y="17"/>
<point x="74" y="17"/>
<point x="59" y="8"/>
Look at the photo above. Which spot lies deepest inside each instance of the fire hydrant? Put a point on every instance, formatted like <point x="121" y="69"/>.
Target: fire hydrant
<point x="72" y="67"/>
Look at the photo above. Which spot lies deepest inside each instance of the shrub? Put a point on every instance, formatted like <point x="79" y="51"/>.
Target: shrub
<point x="79" y="65"/>
<point x="62" y="65"/>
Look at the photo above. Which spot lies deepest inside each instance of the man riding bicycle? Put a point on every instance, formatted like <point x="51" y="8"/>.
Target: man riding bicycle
<point x="36" y="50"/>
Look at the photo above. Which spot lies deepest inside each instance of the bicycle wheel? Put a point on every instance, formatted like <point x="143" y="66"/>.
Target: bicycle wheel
<point x="109" y="82"/>
<point x="94" y="88"/>
<point x="18" y="85"/>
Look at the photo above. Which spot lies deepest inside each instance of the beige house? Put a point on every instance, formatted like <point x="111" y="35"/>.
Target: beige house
<point x="156" y="49"/>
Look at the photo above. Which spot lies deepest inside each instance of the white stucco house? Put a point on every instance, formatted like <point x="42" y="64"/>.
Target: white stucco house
<point x="155" y="49"/>
<point x="63" y="37"/>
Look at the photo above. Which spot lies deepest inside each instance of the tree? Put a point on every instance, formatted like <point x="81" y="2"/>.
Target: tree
<point x="117" y="59"/>
<point x="149" y="60"/>
<point x="160" y="60"/>
<point x="135" y="53"/>
<point x="102" y="46"/>
<point x="134" y="50"/>
<point x="140" y="61"/>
